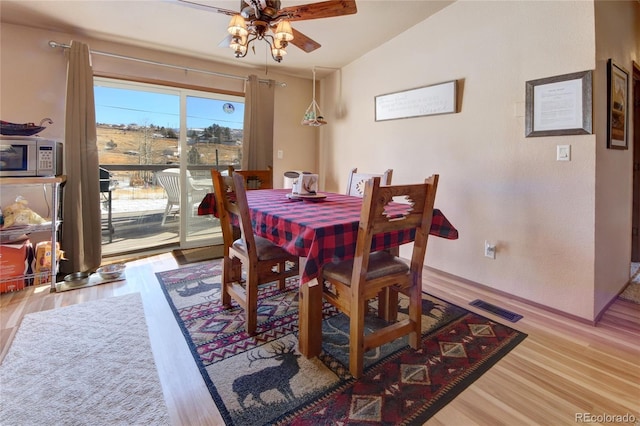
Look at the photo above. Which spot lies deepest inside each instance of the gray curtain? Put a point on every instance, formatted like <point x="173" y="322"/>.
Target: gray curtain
<point x="257" y="144"/>
<point x="81" y="230"/>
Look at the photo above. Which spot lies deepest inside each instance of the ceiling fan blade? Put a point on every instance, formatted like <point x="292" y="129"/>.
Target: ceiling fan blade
<point x="303" y="42"/>
<point x="225" y="41"/>
<point x="207" y="7"/>
<point x="325" y="9"/>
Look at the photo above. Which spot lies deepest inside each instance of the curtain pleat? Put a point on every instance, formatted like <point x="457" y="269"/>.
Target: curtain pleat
<point x="257" y="144"/>
<point x="81" y="228"/>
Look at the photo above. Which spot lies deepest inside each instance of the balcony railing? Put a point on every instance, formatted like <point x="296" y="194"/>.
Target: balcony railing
<point x="137" y="207"/>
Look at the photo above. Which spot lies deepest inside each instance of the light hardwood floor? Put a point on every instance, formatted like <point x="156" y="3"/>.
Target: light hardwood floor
<point x="563" y="368"/>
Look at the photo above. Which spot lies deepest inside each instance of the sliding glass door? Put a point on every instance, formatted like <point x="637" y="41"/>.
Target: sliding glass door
<point x="158" y="145"/>
<point x="213" y="140"/>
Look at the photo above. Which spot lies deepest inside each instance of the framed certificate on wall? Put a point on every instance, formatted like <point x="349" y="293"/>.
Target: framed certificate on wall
<point x="560" y="105"/>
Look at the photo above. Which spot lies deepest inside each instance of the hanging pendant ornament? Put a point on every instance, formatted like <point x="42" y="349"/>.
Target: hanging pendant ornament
<point x="313" y="115"/>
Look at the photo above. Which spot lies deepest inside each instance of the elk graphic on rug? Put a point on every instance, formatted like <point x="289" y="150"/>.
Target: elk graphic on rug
<point x="200" y="287"/>
<point x="261" y="381"/>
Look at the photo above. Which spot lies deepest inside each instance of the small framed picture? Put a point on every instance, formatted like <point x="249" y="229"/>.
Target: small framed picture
<point x="617" y="106"/>
<point x="559" y="105"/>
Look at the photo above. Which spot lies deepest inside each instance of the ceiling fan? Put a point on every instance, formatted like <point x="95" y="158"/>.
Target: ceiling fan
<point x="257" y="18"/>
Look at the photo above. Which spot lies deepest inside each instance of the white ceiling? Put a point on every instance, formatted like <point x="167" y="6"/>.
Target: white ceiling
<point x="168" y="25"/>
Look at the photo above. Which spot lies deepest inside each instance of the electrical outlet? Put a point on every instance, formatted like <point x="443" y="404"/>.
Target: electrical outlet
<point x="280" y="154"/>
<point x="489" y="250"/>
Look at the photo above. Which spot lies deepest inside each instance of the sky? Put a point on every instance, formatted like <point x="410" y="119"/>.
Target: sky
<point x="123" y="106"/>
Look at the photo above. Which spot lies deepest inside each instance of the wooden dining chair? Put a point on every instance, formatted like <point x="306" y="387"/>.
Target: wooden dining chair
<point x="350" y="284"/>
<point x="263" y="261"/>
<point x="356" y="182"/>
<point x="255" y="179"/>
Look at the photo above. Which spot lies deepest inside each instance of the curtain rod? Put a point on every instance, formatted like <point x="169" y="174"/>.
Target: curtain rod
<point x="146" y="61"/>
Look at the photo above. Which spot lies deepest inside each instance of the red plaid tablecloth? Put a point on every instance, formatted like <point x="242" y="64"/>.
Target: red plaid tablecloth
<point x="322" y="230"/>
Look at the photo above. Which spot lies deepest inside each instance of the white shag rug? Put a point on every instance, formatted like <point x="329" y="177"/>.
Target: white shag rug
<point x="85" y="364"/>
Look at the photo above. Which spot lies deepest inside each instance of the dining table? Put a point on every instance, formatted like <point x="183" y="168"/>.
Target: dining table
<point x="319" y="229"/>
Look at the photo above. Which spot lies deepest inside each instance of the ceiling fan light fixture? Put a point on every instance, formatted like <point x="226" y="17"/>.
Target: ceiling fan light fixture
<point x="259" y="17"/>
<point x="238" y="27"/>
<point x="284" y="31"/>
<point x="257" y="29"/>
<point x="278" y="50"/>
<point x="239" y="46"/>
<point x="266" y="20"/>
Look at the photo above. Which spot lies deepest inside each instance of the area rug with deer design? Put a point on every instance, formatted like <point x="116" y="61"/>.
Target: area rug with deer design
<point x="263" y="380"/>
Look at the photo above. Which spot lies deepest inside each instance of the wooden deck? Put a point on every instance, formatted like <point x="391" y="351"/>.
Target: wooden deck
<point x="143" y="232"/>
<point x="137" y="212"/>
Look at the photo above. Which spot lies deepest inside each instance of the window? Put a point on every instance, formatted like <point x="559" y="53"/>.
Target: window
<point x="141" y="124"/>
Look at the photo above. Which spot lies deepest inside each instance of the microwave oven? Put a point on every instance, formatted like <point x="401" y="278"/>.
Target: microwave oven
<point x="23" y="157"/>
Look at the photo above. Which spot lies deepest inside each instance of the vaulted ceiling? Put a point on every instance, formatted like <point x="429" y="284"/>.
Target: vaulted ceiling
<point x="172" y="26"/>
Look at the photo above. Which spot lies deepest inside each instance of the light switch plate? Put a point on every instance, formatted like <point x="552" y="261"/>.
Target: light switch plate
<point x="563" y="153"/>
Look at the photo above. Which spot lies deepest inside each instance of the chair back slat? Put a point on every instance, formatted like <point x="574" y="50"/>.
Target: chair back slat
<point x="356" y="182"/>
<point x="231" y="199"/>
<point x="255" y="179"/>
<point x="170" y="181"/>
<point x="241" y="210"/>
<point x="223" y="191"/>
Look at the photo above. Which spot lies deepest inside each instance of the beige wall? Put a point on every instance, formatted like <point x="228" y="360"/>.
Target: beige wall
<point x="33" y="85"/>
<point x="495" y="184"/>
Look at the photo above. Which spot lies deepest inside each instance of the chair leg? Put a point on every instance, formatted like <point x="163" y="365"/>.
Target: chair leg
<point x="227" y="279"/>
<point x="388" y="304"/>
<point x="236" y="270"/>
<point x="356" y="337"/>
<point x="251" y="302"/>
<point x="415" y="314"/>
<point x="166" y="212"/>
<point x="282" y="281"/>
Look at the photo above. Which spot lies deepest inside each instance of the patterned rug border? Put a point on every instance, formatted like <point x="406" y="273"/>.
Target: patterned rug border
<point x="187" y="337"/>
<point x="446" y="395"/>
